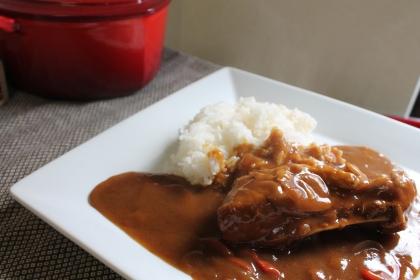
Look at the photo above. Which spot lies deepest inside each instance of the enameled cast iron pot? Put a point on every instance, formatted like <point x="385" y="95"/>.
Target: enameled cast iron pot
<point x="81" y="49"/>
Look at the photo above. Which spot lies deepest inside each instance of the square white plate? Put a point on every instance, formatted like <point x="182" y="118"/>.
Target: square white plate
<point x="58" y="192"/>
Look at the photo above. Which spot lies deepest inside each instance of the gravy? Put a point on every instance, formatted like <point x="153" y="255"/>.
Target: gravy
<point x="178" y="223"/>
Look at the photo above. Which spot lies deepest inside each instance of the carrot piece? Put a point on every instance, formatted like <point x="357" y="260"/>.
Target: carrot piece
<point x="266" y="267"/>
<point x="241" y="263"/>
<point x="369" y="275"/>
<point x="253" y="255"/>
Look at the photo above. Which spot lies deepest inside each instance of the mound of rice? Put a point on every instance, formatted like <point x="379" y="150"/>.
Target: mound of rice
<point x="218" y="128"/>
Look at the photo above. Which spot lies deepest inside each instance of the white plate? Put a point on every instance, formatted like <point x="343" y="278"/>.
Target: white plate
<point x="58" y="192"/>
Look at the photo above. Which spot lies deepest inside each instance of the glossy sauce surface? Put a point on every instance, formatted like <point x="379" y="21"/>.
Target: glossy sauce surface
<point x="283" y="192"/>
<point x="178" y="223"/>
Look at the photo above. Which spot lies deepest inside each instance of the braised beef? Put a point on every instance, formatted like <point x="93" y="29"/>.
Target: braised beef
<point x="291" y="192"/>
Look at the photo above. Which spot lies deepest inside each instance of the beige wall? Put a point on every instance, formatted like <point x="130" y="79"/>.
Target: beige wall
<point x="365" y="52"/>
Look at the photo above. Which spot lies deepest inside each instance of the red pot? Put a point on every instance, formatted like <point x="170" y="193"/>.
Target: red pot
<point x="81" y="49"/>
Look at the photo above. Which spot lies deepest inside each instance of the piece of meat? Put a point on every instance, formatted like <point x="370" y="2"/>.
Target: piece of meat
<point x="301" y="196"/>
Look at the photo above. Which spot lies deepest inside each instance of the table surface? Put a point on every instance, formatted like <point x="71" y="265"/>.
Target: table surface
<point x="35" y="131"/>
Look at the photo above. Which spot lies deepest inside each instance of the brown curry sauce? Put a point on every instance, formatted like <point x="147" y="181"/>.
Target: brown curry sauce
<point x="179" y="223"/>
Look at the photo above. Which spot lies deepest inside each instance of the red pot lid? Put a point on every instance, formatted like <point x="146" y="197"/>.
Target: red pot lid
<point x="80" y="10"/>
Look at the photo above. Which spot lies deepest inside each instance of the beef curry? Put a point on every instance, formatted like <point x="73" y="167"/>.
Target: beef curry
<point x="286" y="212"/>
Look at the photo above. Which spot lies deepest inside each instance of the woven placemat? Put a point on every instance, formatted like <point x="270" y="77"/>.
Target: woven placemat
<point x="35" y="131"/>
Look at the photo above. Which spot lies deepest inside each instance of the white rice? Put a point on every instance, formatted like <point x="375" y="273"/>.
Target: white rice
<point x="222" y="126"/>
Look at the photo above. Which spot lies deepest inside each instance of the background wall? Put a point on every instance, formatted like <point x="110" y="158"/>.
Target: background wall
<point x="363" y="52"/>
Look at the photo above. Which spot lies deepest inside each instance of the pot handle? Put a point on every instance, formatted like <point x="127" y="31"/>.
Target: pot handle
<point x="7" y="24"/>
